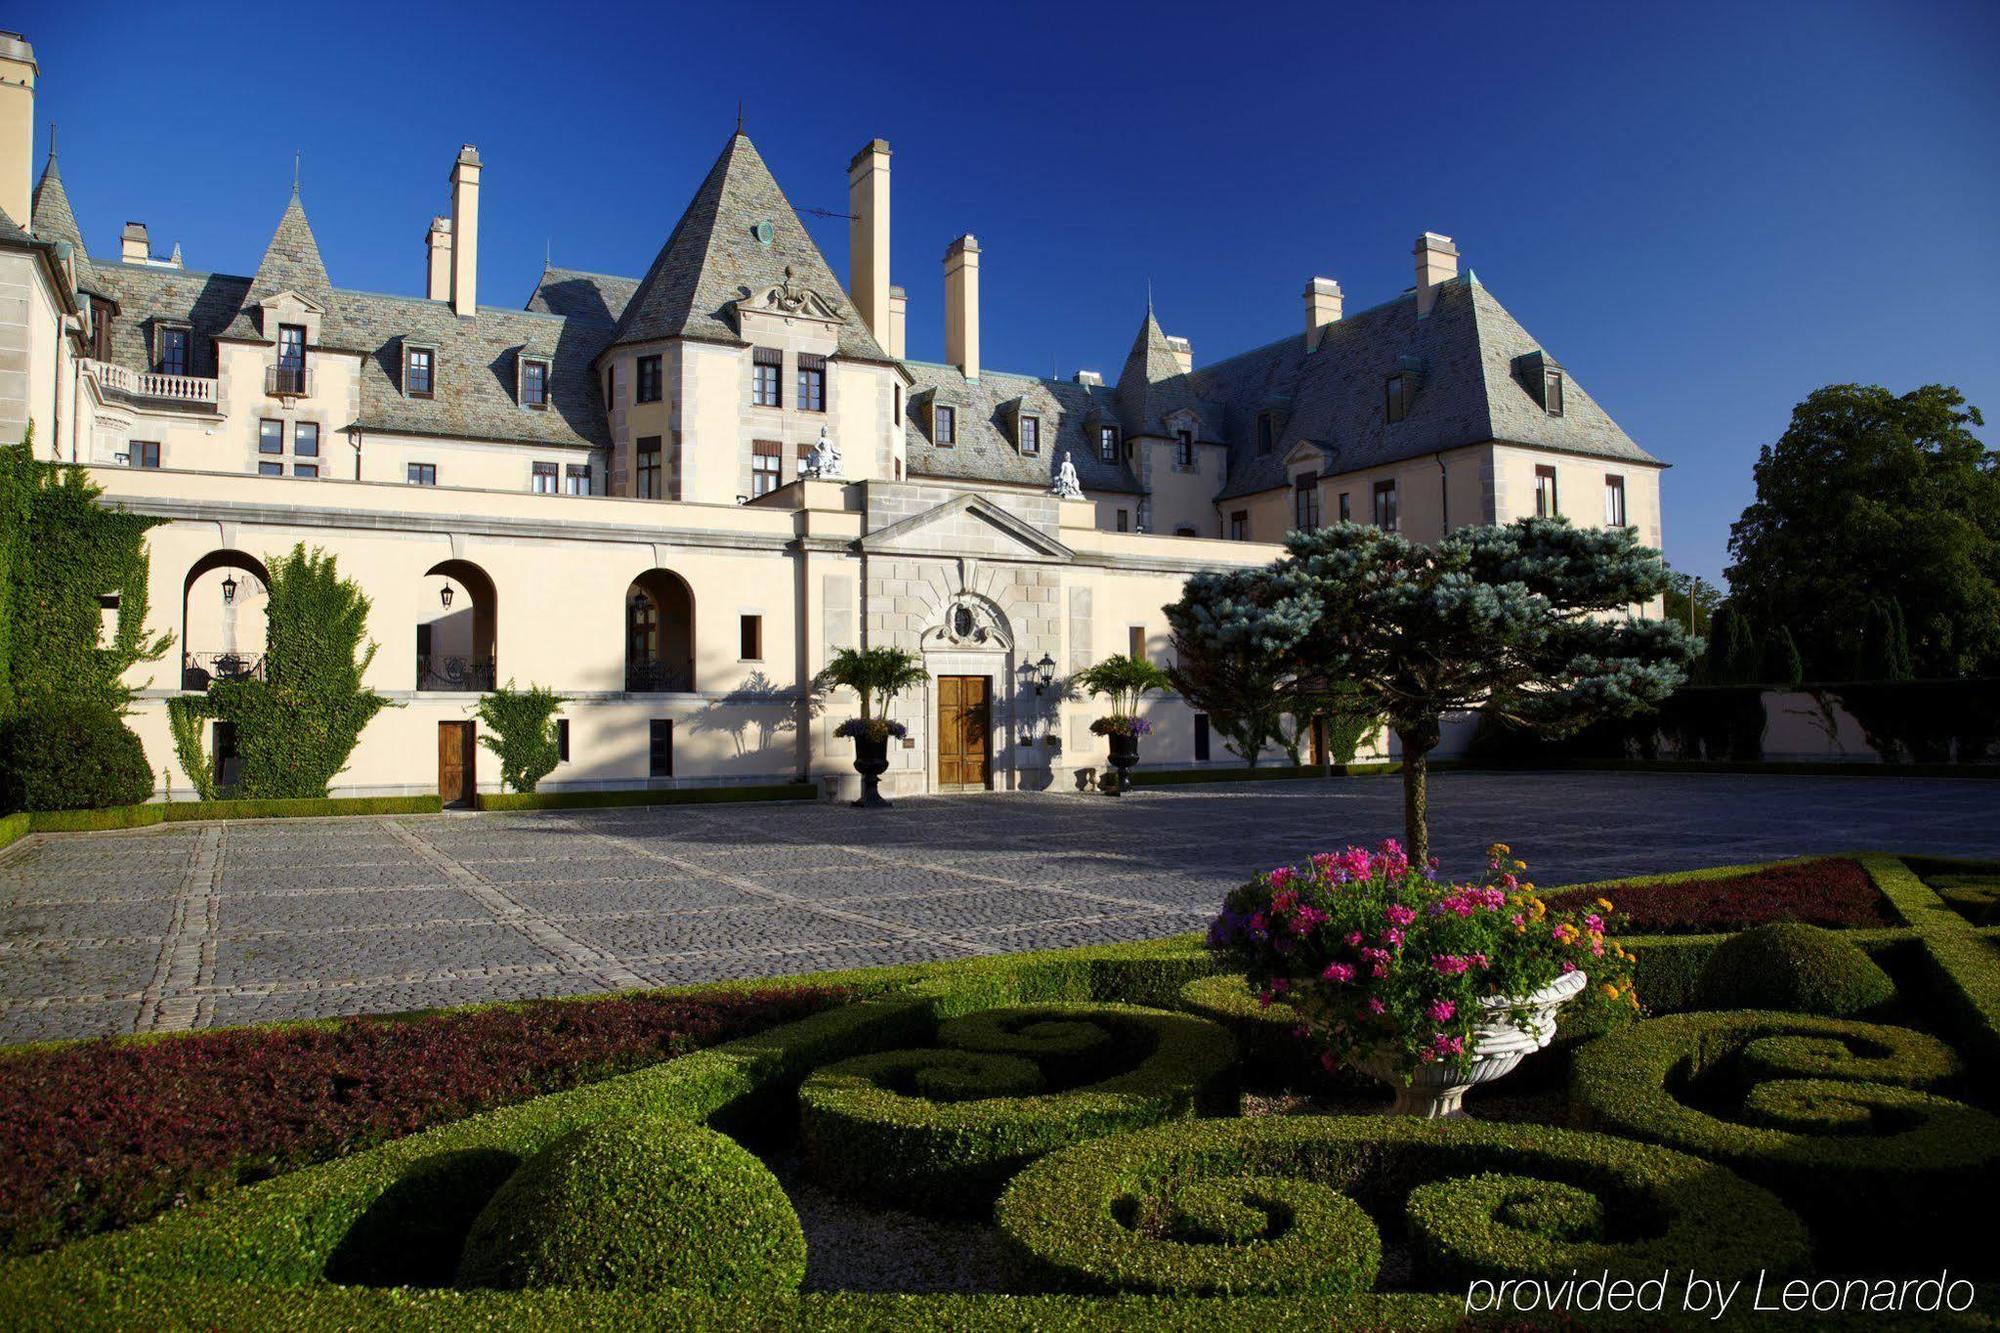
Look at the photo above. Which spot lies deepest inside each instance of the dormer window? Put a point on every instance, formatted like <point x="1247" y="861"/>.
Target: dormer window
<point x="534" y="383"/>
<point x="1543" y="379"/>
<point x="1552" y="393"/>
<point x="1031" y="435"/>
<point x="944" y="426"/>
<point x="174" y="359"/>
<point x="1107" y="443"/>
<point x="1395" y="398"/>
<point x="1267" y="433"/>
<point x="419" y="372"/>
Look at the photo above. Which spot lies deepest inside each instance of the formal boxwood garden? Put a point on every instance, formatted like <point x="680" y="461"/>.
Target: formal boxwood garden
<point x="1123" y="1134"/>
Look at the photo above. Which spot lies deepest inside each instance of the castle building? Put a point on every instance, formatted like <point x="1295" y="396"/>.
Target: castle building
<point x="673" y="497"/>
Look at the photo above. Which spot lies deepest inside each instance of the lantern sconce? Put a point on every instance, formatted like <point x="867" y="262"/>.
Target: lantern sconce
<point x="228" y="589"/>
<point x="1045" y="671"/>
<point x="445" y="596"/>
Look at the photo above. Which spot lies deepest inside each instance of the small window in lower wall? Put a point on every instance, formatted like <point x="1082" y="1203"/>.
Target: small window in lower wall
<point x="753" y="638"/>
<point x="562" y="740"/>
<point x="661" y="748"/>
<point x="1136" y="641"/>
<point x="1201" y="738"/>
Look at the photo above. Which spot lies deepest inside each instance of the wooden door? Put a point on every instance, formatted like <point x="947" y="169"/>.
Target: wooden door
<point x="455" y="763"/>
<point x="964" y="729"/>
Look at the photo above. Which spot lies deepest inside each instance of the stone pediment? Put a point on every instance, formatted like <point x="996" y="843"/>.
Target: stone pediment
<point x="967" y="525"/>
<point x="1305" y="451"/>
<point x="789" y="299"/>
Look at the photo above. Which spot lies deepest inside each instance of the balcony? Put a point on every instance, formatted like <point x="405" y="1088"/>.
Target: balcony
<point x="200" y="670"/>
<point x="143" y="386"/>
<point x="656" y="677"/>
<point x="287" y="382"/>
<point x="462" y="674"/>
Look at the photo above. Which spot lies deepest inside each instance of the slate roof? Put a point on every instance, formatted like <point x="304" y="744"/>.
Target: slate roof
<point x="592" y="298"/>
<point x="291" y="263"/>
<point x="52" y="219"/>
<point x="714" y="258"/>
<point x="986" y="407"/>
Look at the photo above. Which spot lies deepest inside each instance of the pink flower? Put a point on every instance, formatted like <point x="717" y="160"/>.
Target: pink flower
<point x="1441" y="1011"/>
<point x="1281" y="876"/>
<point x="1449" y="1045"/>
<point x="1451" y="964"/>
<point x="1393" y="938"/>
<point x="1399" y="915"/>
<point x="1568" y="968"/>
<point x="1353" y="939"/>
<point x="1341" y="973"/>
<point x="1375" y="1006"/>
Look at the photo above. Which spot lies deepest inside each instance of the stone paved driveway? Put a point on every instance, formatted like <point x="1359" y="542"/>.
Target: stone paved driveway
<point x="206" y="925"/>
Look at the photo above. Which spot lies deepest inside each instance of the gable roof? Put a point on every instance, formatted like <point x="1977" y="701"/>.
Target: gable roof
<point x="986" y="451"/>
<point x="714" y="258"/>
<point x="1023" y="533"/>
<point x="291" y="263"/>
<point x="591" y="298"/>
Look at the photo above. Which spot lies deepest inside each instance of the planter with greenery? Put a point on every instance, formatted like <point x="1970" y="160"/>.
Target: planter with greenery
<point x="877" y="675"/>
<point x="1123" y="681"/>
<point x="1431" y="987"/>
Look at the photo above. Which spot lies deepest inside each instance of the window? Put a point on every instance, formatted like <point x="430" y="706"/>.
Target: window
<point x="1184" y="448"/>
<point x="270" y="469"/>
<point x="660" y="748"/>
<point x="305" y="469"/>
<point x="292" y="346"/>
<point x="1107" y="443"/>
<point x="1305" y="502"/>
<point x="143" y="453"/>
<point x="1614" y="501"/>
<point x="1031" y="435"/>
<point x="1124" y="520"/>
<point x="610" y="385"/>
<point x="805" y="452"/>
<point x="649" y="380"/>
<point x="419" y="367"/>
<point x="562" y="740"/>
<point x="1267" y="435"/>
<point x="1545" y="492"/>
<point x="753" y="638"/>
<point x="766" y="467"/>
<point x="535" y="384"/>
<point x="765" y="389"/>
<point x="1135" y="641"/>
<point x="1346" y="508"/>
<point x="174" y="352"/>
<point x="1385" y="506"/>
<point x="896" y="407"/>
<point x="1186" y="530"/>
<point x="1239" y="525"/>
<point x="271" y="437"/>
<point x="1201" y="738"/>
<point x="1552" y="394"/>
<point x="648" y="487"/>
<point x="576" y="479"/>
<point x="305" y="439"/>
<point x="945" y="427"/>
<point x="812" y="383"/>
<point x="422" y="474"/>
<point x="1396" y="397"/>
<point x="543" y="479"/>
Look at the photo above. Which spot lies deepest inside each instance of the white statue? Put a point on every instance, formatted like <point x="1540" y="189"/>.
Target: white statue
<point x="1067" y="487"/>
<point x="823" y="461"/>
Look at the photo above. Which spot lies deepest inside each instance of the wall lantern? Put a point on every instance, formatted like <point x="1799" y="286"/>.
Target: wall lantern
<point x="228" y="589"/>
<point x="445" y="596"/>
<point x="1046" y="670"/>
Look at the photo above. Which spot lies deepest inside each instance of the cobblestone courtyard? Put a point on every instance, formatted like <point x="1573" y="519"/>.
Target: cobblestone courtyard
<point x="207" y="925"/>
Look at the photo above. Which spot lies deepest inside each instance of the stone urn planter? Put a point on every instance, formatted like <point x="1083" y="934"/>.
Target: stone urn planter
<point x="1124" y="754"/>
<point x="871" y="761"/>
<point x="1515" y="1027"/>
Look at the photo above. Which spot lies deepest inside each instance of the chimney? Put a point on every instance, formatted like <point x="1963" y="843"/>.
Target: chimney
<point x="1323" y="302"/>
<point x="1183" y="351"/>
<point x="1437" y="263"/>
<point x="961" y="305"/>
<point x="1090" y="379"/>
<point x="17" y="128"/>
<point x="868" y="238"/>
<point x="437" y="256"/>
<point x="134" y="247"/>
<point x="899" y="310"/>
<point x="465" y="232"/>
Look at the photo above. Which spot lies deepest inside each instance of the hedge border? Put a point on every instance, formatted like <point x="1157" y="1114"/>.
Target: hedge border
<point x="13" y="828"/>
<point x="1962" y="963"/>
<point x="181" y="812"/>
<point x="585" y="800"/>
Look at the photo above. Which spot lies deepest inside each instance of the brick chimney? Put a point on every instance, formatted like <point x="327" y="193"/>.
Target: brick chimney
<point x="465" y="232"/>
<point x="17" y="127"/>
<point x="1437" y="264"/>
<point x="868" y="238"/>
<point x="134" y="246"/>
<point x="1323" y="304"/>
<point x="437" y="260"/>
<point x="961" y="305"/>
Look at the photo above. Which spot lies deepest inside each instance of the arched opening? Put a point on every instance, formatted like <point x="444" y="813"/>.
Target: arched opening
<point x="225" y="602"/>
<point x="455" y="646"/>
<point x="659" y="633"/>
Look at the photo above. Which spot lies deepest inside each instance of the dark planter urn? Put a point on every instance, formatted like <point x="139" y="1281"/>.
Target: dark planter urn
<point x="871" y="761"/>
<point x="1124" y="754"/>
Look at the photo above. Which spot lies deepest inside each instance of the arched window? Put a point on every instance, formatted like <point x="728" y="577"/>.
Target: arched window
<point x="224" y="601"/>
<point x="457" y="628"/>
<point x="659" y="634"/>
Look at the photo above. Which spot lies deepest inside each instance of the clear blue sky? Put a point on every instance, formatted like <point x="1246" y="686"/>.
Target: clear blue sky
<point x="1705" y="211"/>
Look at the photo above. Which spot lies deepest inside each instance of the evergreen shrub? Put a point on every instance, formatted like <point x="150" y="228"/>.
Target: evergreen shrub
<point x="1795" y="968"/>
<point x="78" y="755"/>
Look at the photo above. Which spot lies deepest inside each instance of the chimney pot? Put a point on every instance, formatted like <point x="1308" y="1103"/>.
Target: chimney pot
<point x="1090" y="379"/>
<point x="1437" y="264"/>
<point x="868" y="240"/>
<point x="465" y="232"/>
<point x="961" y="305"/>
<point x="437" y="260"/>
<point x="134" y="246"/>
<point x="1323" y="307"/>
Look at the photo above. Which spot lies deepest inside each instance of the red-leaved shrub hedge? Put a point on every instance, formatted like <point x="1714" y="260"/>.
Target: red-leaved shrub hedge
<point x="1833" y="891"/>
<point x="104" y="1134"/>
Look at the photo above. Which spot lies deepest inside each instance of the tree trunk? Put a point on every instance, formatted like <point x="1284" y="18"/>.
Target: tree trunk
<point x="1417" y="743"/>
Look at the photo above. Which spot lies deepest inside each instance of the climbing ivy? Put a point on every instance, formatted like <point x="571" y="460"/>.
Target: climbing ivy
<point x="296" y="728"/>
<point x="520" y="729"/>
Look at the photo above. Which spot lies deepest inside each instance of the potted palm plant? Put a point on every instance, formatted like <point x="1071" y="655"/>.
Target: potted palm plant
<point x="1124" y="681"/>
<point x="877" y="675"/>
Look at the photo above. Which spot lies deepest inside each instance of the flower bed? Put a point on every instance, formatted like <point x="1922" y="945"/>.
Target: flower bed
<point x="105" y="1133"/>
<point x="1830" y="891"/>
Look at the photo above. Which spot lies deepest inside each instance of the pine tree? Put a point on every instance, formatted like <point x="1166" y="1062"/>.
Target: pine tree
<point x="1782" y="666"/>
<point x="1742" y="664"/>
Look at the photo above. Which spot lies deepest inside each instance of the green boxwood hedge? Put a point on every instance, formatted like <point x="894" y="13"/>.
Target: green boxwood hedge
<point x="584" y="800"/>
<point x="181" y="812"/>
<point x="942" y="1129"/>
<point x="1795" y="968"/>
<point x="1270" y="1205"/>
<point x="1829" y="1113"/>
<point x="13" y="828"/>
<point x="646" y="1204"/>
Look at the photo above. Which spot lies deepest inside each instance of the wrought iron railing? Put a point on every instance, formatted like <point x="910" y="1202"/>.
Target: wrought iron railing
<point x="200" y="670"/>
<point x="454" y="673"/>
<point x="658" y="677"/>
<point x="287" y="381"/>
